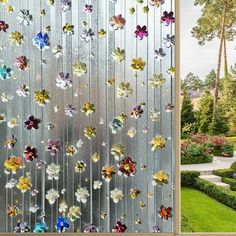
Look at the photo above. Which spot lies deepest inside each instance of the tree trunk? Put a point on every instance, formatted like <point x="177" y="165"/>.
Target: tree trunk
<point x="225" y="60"/>
<point x="219" y="60"/>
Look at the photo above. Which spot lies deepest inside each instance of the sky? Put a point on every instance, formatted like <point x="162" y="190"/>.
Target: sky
<point x="195" y="58"/>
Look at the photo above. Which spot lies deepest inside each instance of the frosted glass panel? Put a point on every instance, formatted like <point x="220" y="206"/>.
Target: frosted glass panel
<point x="87" y="127"/>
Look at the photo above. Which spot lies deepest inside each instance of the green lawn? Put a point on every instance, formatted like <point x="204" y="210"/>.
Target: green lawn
<point x="205" y="214"/>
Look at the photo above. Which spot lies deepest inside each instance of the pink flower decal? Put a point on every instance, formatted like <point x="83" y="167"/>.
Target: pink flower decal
<point x="168" y="18"/>
<point x="141" y="32"/>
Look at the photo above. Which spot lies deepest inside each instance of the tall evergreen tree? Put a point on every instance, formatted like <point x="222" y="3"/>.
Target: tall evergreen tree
<point x="205" y="113"/>
<point x="187" y="112"/>
<point x="219" y="123"/>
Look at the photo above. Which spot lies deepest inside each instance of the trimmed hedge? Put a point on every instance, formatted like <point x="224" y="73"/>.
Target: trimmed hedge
<point x="188" y="178"/>
<point x="231" y="182"/>
<point x="228" y="173"/>
<point x="220" y="194"/>
<point x="233" y="166"/>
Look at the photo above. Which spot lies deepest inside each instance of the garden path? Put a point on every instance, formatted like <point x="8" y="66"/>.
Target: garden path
<point x="207" y="168"/>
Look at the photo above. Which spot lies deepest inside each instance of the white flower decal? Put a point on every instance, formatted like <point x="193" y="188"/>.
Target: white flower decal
<point x="53" y="171"/>
<point x="52" y="195"/>
<point x="82" y="194"/>
<point x="116" y="195"/>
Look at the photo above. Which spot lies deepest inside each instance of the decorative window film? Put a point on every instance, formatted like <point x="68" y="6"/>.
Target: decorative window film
<point x="87" y="131"/>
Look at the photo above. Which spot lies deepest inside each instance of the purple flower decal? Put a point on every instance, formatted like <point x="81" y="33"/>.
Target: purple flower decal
<point x="87" y="35"/>
<point x="3" y="26"/>
<point x="159" y="54"/>
<point x="65" y="5"/>
<point x="41" y="40"/>
<point x="70" y="110"/>
<point x="90" y="228"/>
<point x="119" y="227"/>
<point x="32" y="123"/>
<point x="63" y="80"/>
<point x="53" y="146"/>
<point x="141" y="32"/>
<point x="22" y="62"/>
<point x="137" y="111"/>
<point x="168" y="18"/>
<point x="88" y="8"/>
<point x="169" y="40"/>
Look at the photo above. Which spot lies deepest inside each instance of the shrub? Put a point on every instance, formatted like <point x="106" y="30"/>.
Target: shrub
<point x="194" y="153"/>
<point x="231" y="182"/>
<point x="220" y="194"/>
<point x="228" y="173"/>
<point x="188" y="178"/>
<point x="233" y="166"/>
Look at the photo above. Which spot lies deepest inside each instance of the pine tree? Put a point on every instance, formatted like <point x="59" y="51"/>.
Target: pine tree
<point x="205" y="113"/>
<point x="187" y="112"/>
<point x="219" y="123"/>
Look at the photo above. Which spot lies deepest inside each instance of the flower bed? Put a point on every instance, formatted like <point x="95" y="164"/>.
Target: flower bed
<point x="220" y="145"/>
<point x="195" y="153"/>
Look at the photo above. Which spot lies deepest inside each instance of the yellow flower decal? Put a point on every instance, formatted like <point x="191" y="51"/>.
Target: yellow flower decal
<point x="96" y="157"/>
<point x="102" y="33"/>
<point x="23" y="184"/>
<point x="137" y="64"/>
<point x="171" y="71"/>
<point x="41" y="97"/>
<point x="3" y="1"/>
<point x="118" y="55"/>
<point x="12" y="164"/>
<point x="88" y="109"/>
<point x="9" y="8"/>
<point x="90" y="132"/>
<point x="134" y="192"/>
<point x="118" y="151"/>
<point x="124" y="90"/>
<point x="79" y="68"/>
<point x="157" y="81"/>
<point x="70" y="150"/>
<point x="16" y="38"/>
<point x="160" y="178"/>
<point x="122" y="117"/>
<point x="158" y="142"/>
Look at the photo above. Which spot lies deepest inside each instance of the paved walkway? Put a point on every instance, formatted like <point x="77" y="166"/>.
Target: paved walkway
<point x="207" y="168"/>
<point x="218" y="163"/>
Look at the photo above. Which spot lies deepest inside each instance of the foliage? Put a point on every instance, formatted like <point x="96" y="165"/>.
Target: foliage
<point x="187" y="113"/>
<point x="219" y="193"/>
<point x="188" y="177"/>
<point x="191" y="82"/>
<point x="205" y="113"/>
<point x="219" y="124"/>
<point x="228" y="173"/>
<point x="231" y="182"/>
<point x="195" y="153"/>
<point x="205" y="214"/>
<point x="209" y="82"/>
<point x="207" y="28"/>
<point x="233" y="166"/>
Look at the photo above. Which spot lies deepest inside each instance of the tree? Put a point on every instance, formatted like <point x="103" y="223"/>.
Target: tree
<point x="191" y="82"/>
<point x="232" y="118"/>
<point x="205" y="113"/>
<point x="219" y="123"/>
<point x="187" y="112"/>
<point x="209" y="83"/>
<point x="218" y="20"/>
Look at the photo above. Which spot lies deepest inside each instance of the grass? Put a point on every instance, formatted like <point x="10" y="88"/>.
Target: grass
<point x="204" y="214"/>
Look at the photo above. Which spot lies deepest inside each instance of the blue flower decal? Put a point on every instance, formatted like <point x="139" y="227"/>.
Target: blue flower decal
<point x="5" y="72"/>
<point x="40" y="228"/>
<point x="62" y="223"/>
<point x="41" y="40"/>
